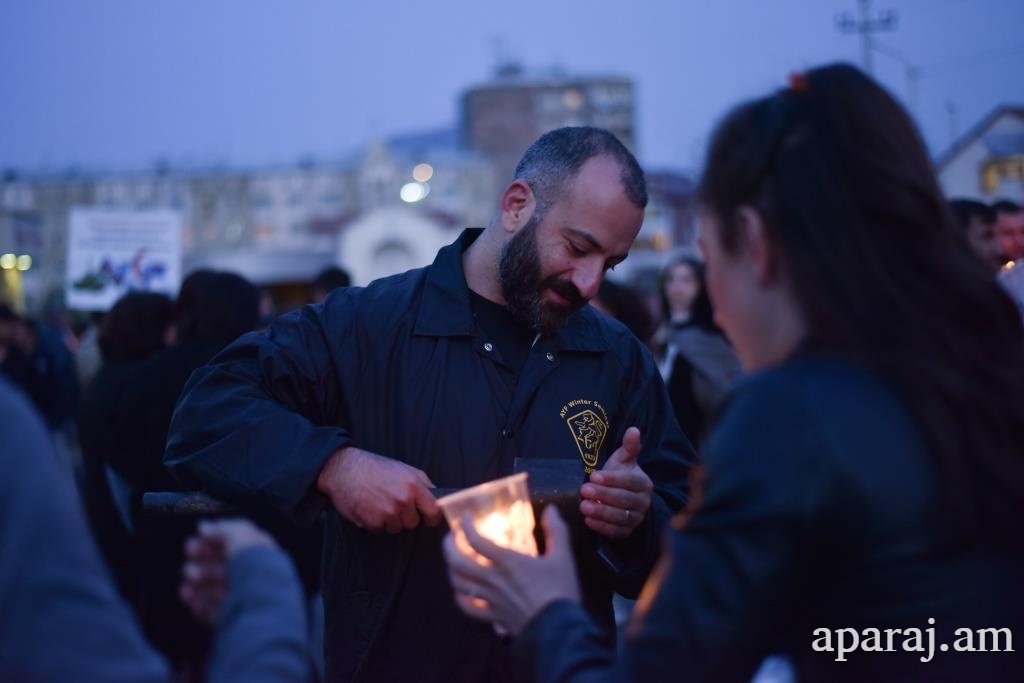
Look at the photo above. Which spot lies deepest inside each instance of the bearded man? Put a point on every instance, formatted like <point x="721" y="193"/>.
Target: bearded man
<point x="441" y="377"/>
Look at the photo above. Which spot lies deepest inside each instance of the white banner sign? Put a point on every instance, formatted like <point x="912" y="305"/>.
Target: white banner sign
<point x="114" y="251"/>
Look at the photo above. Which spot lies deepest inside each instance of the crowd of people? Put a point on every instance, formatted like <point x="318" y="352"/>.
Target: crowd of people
<point x="996" y="234"/>
<point x="113" y="388"/>
<point x="812" y="427"/>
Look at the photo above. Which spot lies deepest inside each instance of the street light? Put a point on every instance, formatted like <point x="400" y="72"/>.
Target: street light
<point x="414" y="192"/>
<point x="423" y="173"/>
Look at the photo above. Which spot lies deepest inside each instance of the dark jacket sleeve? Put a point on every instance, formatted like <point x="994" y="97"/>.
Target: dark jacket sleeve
<point x="62" y="617"/>
<point x="257" y="423"/>
<point x="667" y="458"/>
<point x="261" y="634"/>
<point x="717" y="602"/>
<point x="562" y="644"/>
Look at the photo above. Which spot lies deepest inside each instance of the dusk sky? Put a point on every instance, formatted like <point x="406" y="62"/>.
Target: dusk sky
<point x="121" y="84"/>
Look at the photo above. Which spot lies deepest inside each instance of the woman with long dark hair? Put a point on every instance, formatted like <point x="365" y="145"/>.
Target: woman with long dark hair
<point x="683" y="294"/>
<point x="862" y="492"/>
<point x="698" y="364"/>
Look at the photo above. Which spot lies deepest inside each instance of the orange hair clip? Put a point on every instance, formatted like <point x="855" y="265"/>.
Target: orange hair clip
<point x="798" y="82"/>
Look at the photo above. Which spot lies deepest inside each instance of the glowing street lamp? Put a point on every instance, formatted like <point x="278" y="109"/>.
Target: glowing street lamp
<point x="414" y="192"/>
<point x="423" y="173"/>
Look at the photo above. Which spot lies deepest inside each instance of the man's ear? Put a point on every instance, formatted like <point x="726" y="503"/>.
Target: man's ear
<point x="517" y="206"/>
<point x="755" y="240"/>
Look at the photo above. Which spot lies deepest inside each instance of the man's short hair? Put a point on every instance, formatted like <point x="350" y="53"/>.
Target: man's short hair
<point x="556" y="157"/>
<point x="1006" y="206"/>
<point x="965" y="210"/>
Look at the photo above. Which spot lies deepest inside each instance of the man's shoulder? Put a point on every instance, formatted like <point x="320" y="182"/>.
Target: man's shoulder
<point x="382" y="299"/>
<point x="615" y="337"/>
<point x="809" y="380"/>
<point x="607" y="327"/>
<point x="831" y="402"/>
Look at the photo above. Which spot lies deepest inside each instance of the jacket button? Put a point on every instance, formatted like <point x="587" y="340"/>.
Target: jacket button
<point x="488" y="347"/>
<point x="550" y="356"/>
<point x="507" y="433"/>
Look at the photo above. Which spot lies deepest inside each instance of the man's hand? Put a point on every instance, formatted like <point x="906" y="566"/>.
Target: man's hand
<point x="378" y="493"/>
<point x="617" y="497"/>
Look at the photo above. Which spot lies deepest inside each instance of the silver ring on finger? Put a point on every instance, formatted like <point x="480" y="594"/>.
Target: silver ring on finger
<point x="629" y="513"/>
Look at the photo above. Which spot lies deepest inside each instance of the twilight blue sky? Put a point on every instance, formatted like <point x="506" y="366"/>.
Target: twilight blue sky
<point x="119" y="84"/>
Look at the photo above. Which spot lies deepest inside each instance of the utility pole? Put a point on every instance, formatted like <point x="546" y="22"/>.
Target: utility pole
<point x="912" y="72"/>
<point x="867" y="26"/>
<point x="954" y="120"/>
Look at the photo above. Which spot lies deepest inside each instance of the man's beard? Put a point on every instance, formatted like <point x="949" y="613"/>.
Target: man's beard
<point x="519" y="271"/>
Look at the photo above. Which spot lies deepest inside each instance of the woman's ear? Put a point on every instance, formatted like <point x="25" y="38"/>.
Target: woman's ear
<point x="758" y="244"/>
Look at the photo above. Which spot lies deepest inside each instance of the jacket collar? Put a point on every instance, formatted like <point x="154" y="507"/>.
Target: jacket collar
<point x="444" y="306"/>
<point x="444" y="309"/>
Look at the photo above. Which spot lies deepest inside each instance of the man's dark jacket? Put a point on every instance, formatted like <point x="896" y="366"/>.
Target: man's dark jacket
<point x="401" y="369"/>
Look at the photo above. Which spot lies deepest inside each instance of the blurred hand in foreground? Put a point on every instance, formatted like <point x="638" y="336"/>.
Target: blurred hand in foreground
<point x="507" y="588"/>
<point x="204" y="575"/>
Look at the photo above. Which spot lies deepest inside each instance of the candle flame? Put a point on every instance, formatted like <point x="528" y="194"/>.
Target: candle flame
<point x="512" y="529"/>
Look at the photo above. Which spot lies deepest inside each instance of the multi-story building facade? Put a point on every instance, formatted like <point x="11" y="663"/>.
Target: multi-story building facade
<point x="272" y="225"/>
<point x="500" y="118"/>
<point x="387" y="206"/>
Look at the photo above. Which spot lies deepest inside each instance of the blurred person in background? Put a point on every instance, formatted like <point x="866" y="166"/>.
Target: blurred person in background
<point x="44" y="384"/>
<point x="57" y="341"/>
<point x="62" y="617"/>
<point x="327" y="281"/>
<point x="680" y="284"/>
<point x="136" y="327"/>
<point x="88" y="357"/>
<point x="627" y="305"/>
<point x="1010" y="228"/>
<point x="29" y="359"/>
<point x="868" y="474"/>
<point x="977" y="220"/>
<point x="698" y="364"/>
<point x="213" y="309"/>
<point x="14" y="364"/>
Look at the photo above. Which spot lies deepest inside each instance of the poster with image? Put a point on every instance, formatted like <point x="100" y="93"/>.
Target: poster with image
<point x="114" y="251"/>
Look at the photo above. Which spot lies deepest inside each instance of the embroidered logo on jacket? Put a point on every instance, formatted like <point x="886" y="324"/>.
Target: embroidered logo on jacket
<point x="588" y="423"/>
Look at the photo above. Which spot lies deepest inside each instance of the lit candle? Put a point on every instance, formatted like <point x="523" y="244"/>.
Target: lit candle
<point x="500" y="511"/>
<point x="512" y="529"/>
